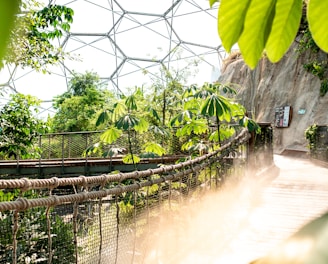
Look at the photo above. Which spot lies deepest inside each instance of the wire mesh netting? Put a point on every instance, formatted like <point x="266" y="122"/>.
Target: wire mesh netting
<point x="113" y="218"/>
<point x="76" y="144"/>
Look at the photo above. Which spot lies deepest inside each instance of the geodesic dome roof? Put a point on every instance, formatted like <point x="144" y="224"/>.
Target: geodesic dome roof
<point x="126" y="42"/>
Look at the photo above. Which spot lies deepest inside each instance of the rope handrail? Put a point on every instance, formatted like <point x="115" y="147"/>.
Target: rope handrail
<point x="22" y="204"/>
<point x="54" y="182"/>
<point x="110" y="217"/>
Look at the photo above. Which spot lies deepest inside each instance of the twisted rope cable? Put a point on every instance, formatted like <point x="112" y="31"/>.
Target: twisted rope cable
<point x="54" y="182"/>
<point x="22" y="204"/>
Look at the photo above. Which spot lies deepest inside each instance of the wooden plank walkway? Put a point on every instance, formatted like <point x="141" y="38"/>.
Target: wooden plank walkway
<point x="243" y="223"/>
<point x="298" y="195"/>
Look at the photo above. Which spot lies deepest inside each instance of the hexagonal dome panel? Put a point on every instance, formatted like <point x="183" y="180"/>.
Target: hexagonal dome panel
<point x="126" y="42"/>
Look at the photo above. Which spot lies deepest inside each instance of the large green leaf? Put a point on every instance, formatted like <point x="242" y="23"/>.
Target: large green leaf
<point x="236" y="109"/>
<point x="217" y="105"/>
<point x="110" y="135"/>
<point x="188" y="145"/>
<point x="103" y="117"/>
<point x="131" y="102"/>
<point x="284" y="28"/>
<point x="192" y="104"/>
<point x="214" y="136"/>
<point x="183" y="116"/>
<point x="203" y="93"/>
<point x="127" y="122"/>
<point x="94" y="148"/>
<point x="159" y="130"/>
<point x="226" y="106"/>
<point x="142" y="125"/>
<point x="250" y="124"/>
<point x="130" y="159"/>
<point x="8" y="9"/>
<point x="231" y="21"/>
<point x="318" y="22"/>
<point x="228" y="89"/>
<point x="199" y="126"/>
<point x="153" y="113"/>
<point x="195" y="126"/>
<point x="154" y="148"/>
<point x="257" y="27"/>
<point x="212" y="2"/>
<point x="207" y="107"/>
<point x="119" y="110"/>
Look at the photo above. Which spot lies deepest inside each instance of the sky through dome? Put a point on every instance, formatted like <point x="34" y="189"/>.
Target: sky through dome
<point x="126" y="42"/>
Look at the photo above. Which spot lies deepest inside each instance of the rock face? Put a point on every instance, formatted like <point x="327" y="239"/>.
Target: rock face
<point x="285" y="83"/>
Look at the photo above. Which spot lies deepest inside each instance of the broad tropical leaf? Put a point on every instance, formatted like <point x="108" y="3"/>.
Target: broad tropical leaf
<point x="159" y="130"/>
<point x="94" y="148"/>
<point x="153" y="113"/>
<point x="208" y="107"/>
<point x="130" y="159"/>
<point x="154" y="148"/>
<point x="102" y="118"/>
<point x="184" y="116"/>
<point x="192" y="105"/>
<point x="212" y="2"/>
<point x="284" y="28"/>
<point x="225" y="133"/>
<point x="127" y="122"/>
<point x="119" y="110"/>
<point x="228" y="89"/>
<point x="8" y="9"/>
<point x="231" y="19"/>
<point x="110" y="135"/>
<point x="257" y="26"/>
<point x="189" y="91"/>
<point x="217" y="105"/>
<point x="203" y="93"/>
<point x="142" y="125"/>
<point x="250" y="124"/>
<point x="131" y="103"/>
<point x="188" y="145"/>
<point x="197" y="127"/>
<point x="318" y="22"/>
<point x="237" y="110"/>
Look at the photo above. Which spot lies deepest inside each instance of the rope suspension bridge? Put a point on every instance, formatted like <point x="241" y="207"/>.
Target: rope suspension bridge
<point x="124" y="217"/>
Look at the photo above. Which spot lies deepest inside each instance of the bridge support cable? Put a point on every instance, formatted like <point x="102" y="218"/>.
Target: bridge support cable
<point x="110" y="217"/>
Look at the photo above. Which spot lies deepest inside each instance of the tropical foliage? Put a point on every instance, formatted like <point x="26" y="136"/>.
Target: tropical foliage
<point x="316" y="65"/>
<point x="77" y="108"/>
<point x="201" y="115"/>
<point x="31" y="39"/>
<point x="269" y="26"/>
<point x="208" y="116"/>
<point x="128" y="116"/>
<point x="19" y="126"/>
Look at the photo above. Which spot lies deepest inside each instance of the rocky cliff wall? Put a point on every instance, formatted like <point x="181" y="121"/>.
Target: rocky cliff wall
<point x="285" y="83"/>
